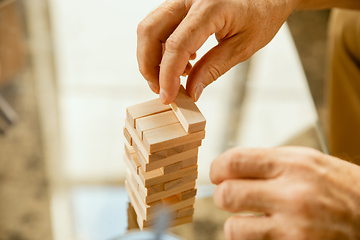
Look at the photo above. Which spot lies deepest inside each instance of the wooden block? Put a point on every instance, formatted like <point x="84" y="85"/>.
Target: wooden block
<point x="179" y="182"/>
<point x="134" y="202"/>
<point x="127" y="136"/>
<point x="155" y="121"/>
<point x="132" y="218"/>
<point x="135" y="177"/>
<point x="172" y="223"/>
<point x="189" y="162"/>
<point x="150" y="211"/>
<point x="187" y="194"/>
<point x="169" y="160"/>
<point x="141" y="188"/>
<point x="143" y="209"/>
<point x="154" y="177"/>
<point x="176" y="150"/>
<point x="185" y="212"/>
<point x="139" y="145"/>
<point x="173" y="184"/>
<point x="169" y="136"/>
<point x="155" y="189"/>
<point x="192" y="145"/>
<point x="172" y="168"/>
<point x="167" y="193"/>
<point x="145" y="109"/>
<point x="187" y="112"/>
<point x="135" y="162"/>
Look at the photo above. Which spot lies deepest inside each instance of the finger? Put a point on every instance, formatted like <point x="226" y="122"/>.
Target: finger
<point x="246" y="163"/>
<point x="245" y="228"/>
<point x="216" y="62"/>
<point x="193" y="56"/>
<point x="246" y="195"/>
<point x="151" y="33"/>
<point x="187" y="38"/>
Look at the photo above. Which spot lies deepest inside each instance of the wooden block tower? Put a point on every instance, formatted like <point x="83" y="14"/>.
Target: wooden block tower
<point x="161" y="154"/>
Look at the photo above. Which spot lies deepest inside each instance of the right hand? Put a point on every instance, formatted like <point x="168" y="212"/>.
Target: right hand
<point x="241" y="27"/>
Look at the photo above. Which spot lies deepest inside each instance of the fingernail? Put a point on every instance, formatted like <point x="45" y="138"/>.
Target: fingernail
<point x="154" y="87"/>
<point x="198" y="90"/>
<point x="162" y="95"/>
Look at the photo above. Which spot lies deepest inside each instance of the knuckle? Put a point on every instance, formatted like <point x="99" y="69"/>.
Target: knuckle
<point x="214" y="72"/>
<point x="173" y="43"/>
<point x="143" y="28"/>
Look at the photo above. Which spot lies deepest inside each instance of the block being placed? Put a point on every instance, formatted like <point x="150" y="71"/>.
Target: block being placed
<point x="161" y="159"/>
<point x="187" y="112"/>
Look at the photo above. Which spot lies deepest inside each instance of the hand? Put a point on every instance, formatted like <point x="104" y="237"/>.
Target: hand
<point x="304" y="194"/>
<point x="241" y="27"/>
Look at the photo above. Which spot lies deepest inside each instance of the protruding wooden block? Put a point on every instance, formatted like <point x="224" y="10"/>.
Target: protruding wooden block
<point x="187" y="112"/>
<point x="168" y="137"/>
<point x="187" y="194"/>
<point x="155" y="121"/>
<point x="132" y="218"/>
<point x="139" y="145"/>
<point x="127" y="136"/>
<point x="145" y="109"/>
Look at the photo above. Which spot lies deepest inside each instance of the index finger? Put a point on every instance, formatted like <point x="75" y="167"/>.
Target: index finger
<point x="152" y="32"/>
<point x="245" y="163"/>
<point x="187" y="38"/>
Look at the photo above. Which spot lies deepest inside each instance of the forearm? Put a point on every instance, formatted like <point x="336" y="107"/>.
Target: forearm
<point x="326" y="4"/>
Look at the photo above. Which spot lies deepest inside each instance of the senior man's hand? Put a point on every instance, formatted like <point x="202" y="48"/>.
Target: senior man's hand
<point x="170" y="36"/>
<point x="304" y="194"/>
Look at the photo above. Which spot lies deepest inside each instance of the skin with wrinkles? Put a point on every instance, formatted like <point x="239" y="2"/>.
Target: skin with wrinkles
<point x="304" y="194"/>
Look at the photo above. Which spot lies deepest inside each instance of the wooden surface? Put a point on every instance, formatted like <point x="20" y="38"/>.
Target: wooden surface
<point x="187" y="112"/>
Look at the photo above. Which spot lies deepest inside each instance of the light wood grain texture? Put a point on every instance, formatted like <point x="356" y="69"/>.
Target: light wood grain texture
<point x="189" y="162"/>
<point x="187" y="194"/>
<point x="155" y="121"/>
<point x="173" y="184"/>
<point x="154" y="177"/>
<point x="179" y="182"/>
<point x="151" y="210"/>
<point x="169" y="160"/>
<point x="185" y="212"/>
<point x="176" y="222"/>
<point x="145" y="109"/>
<point x="135" y="162"/>
<point x="138" y="145"/>
<point x="193" y="145"/>
<point x="183" y="148"/>
<point x="146" y="210"/>
<point x="187" y="112"/>
<point x="127" y="136"/>
<point x="132" y="218"/>
<point x="172" y="168"/>
<point x="169" y="136"/>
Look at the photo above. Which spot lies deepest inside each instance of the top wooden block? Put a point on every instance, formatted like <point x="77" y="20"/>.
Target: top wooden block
<point x="187" y="112"/>
<point x="145" y="109"/>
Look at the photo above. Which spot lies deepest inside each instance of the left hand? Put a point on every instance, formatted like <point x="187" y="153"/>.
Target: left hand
<point x="304" y="194"/>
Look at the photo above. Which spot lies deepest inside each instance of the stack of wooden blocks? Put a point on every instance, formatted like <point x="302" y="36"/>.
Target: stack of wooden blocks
<point x="161" y="154"/>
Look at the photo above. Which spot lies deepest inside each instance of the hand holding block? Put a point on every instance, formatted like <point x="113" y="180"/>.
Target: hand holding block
<point x="187" y="112"/>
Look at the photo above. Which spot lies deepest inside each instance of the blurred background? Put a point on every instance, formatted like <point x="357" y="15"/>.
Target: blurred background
<point x="68" y="71"/>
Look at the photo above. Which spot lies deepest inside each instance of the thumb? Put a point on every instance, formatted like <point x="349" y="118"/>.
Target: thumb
<point x="215" y="63"/>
